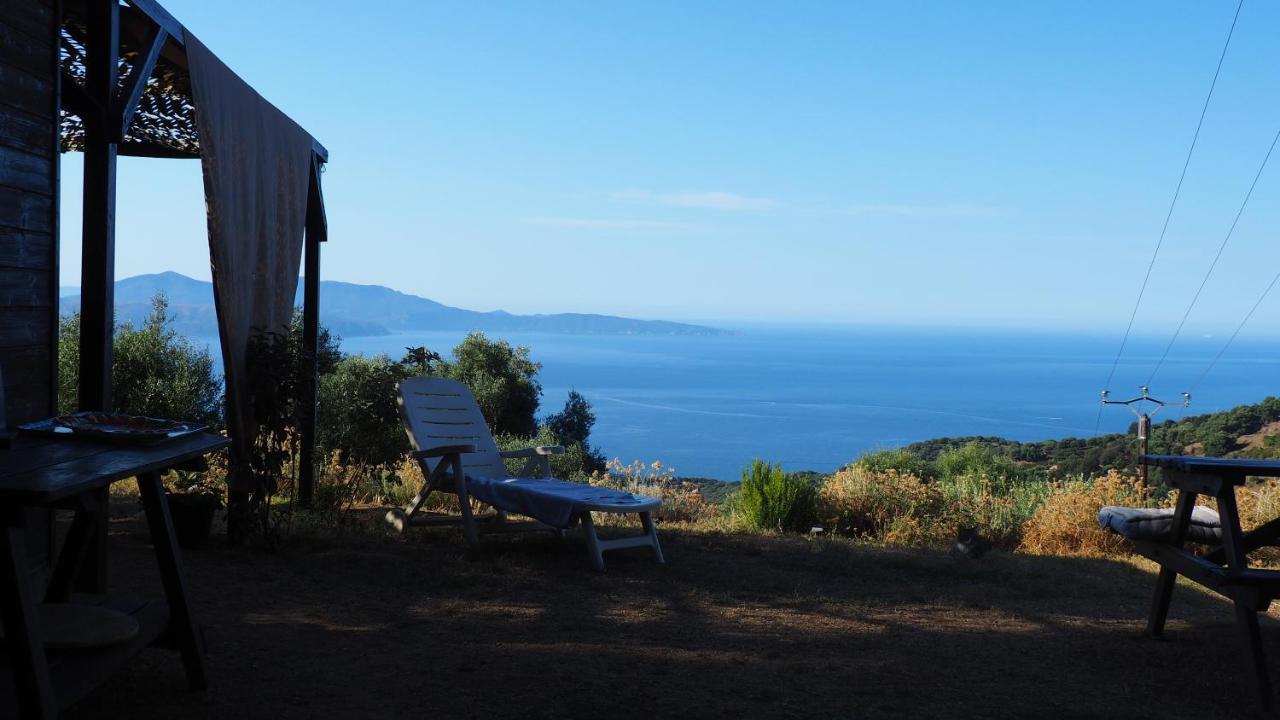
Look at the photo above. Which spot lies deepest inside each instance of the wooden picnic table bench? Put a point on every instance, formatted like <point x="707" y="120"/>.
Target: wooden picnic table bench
<point x="1225" y="568"/>
<point x="76" y="474"/>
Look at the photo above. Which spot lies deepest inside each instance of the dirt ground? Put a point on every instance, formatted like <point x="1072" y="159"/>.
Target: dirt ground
<point x="350" y="624"/>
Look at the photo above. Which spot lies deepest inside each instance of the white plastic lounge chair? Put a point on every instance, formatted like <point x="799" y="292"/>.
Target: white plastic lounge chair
<point x="451" y="440"/>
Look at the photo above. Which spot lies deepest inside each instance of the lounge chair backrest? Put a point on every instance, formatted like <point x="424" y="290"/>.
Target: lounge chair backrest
<point x="440" y="412"/>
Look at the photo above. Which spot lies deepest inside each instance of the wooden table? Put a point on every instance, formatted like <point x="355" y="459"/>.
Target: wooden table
<point x="73" y="474"/>
<point x="1225" y="568"/>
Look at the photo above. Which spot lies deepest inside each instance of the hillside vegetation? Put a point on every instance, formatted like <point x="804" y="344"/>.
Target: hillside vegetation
<point x="1244" y="431"/>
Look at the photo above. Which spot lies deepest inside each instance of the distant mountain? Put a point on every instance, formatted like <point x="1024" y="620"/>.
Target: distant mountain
<point x="351" y="310"/>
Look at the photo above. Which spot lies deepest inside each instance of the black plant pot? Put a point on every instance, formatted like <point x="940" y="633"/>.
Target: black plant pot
<point x="193" y="518"/>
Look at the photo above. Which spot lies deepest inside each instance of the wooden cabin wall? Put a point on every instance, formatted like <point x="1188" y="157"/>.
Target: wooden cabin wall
<point x="29" y="156"/>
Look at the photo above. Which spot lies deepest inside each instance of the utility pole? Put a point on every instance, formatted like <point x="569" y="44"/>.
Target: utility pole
<point x="1144" y="420"/>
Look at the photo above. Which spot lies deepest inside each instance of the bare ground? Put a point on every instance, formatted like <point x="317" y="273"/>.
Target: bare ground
<point x="356" y="623"/>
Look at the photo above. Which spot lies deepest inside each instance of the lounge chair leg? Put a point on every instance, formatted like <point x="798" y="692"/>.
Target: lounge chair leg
<point x="464" y="504"/>
<point x="399" y="517"/>
<point x="593" y="543"/>
<point x="646" y="520"/>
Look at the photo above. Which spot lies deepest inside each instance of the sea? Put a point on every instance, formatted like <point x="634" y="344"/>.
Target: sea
<point x="816" y="398"/>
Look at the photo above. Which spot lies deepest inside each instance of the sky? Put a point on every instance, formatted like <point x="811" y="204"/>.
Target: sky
<point x="968" y="164"/>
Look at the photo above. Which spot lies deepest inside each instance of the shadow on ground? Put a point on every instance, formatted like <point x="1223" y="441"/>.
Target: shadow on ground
<point x="358" y="624"/>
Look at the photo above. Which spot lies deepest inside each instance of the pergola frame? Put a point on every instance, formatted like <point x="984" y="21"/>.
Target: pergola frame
<point x="137" y="37"/>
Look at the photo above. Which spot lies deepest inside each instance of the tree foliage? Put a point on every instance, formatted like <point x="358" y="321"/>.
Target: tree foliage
<point x="503" y="379"/>
<point x="155" y="372"/>
<point x="1214" y="434"/>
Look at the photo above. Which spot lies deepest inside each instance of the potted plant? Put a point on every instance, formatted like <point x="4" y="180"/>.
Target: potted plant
<point x="194" y="500"/>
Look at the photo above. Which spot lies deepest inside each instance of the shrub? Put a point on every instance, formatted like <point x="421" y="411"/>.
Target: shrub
<point x="359" y="418"/>
<point x="1066" y="523"/>
<point x="975" y="460"/>
<point x="769" y="499"/>
<point x="901" y="509"/>
<point x="900" y="461"/>
<point x="889" y="506"/>
<point x="573" y="464"/>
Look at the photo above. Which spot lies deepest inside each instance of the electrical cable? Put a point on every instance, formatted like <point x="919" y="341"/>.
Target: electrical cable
<point x="1205" y="280"/>
<point x="1172" y="204"/>
<point x="1230" y="340"/>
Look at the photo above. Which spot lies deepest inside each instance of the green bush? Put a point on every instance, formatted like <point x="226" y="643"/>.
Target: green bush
<point x="575" y="464"/>
<point x="769" y="499"/>
<point x="358" y="415"/>
<point x="900" y="461"/>
<point x="975" y="461"/>
<point x="155" y="372"/>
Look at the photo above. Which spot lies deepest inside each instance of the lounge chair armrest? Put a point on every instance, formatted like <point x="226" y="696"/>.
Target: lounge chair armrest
<point x="537" y="459"/>
<point x="533" y="451"/>
<point x="442" y="451"/>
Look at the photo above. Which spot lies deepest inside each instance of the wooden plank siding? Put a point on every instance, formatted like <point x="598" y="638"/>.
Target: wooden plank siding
<point x="29" y="156"/>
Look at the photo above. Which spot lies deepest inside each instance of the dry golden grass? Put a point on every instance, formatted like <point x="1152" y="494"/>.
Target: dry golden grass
<point x="681" y="501"/>
<point x="1067" y="521"/>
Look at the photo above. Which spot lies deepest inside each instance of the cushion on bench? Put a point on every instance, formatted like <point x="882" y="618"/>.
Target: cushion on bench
<point x="1156" y="523"/>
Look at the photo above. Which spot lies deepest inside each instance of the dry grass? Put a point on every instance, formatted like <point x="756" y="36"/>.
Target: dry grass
<point x="681" y="501"/>
<point x="1067" y="521"/>
<point x="902" y="509"/>
<point x="354" y="622"/>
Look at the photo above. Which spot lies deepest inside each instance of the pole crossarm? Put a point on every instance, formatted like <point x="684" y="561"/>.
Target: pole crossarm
<point x="1145" y="397"/>
<point x="1137" y="407"/>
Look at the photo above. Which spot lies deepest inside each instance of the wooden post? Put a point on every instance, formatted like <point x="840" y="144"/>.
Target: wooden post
<point x="98" y="241"/>
<point x="309" y="385"/>
<point x="1144" y="436"/>
<point x="97" y="275"/>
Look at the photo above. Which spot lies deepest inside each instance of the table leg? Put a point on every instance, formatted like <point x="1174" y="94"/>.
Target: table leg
<point x="1264" y="535"/>
<point x="21" y="626"/>
<point x="182" y="625"/>
<point x="1236" y="556"/>
<point x="75" y="548"/>
<point x="92" y="578"/>
<point x="1164" y="583"/>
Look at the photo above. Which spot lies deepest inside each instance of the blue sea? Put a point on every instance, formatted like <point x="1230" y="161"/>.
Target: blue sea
<point x="814" y="399"/>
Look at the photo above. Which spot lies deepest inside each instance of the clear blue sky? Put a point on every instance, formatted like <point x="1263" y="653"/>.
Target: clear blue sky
<point x="959" y="163"/>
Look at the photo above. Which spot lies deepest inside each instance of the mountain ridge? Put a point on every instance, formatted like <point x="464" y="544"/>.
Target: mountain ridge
<point x="345" y="308"/>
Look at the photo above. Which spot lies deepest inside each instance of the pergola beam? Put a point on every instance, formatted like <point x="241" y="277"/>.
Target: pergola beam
<point x="123" y="110"/>
<point x="162" y="18"/>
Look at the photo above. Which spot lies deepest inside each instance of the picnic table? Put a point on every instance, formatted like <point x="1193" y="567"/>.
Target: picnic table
<point x="53" y="473"/>
<point x="1225" y="568"/>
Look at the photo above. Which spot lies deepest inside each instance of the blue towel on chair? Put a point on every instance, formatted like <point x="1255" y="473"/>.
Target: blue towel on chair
<point x="557" y="503"/>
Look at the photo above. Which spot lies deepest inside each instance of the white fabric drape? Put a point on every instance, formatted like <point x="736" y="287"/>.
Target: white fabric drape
<point x="256" y="164"/>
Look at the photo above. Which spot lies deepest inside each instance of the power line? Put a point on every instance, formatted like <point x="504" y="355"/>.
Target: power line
<point x="1172" y="204"/>
<point x="1205" y="280"/>
<point x="1239" y="327"/>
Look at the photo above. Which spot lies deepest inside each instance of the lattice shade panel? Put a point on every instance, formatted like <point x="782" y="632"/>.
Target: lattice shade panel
<point x="164" y="123"/>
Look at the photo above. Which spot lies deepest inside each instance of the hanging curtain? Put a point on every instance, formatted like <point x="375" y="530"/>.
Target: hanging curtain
<point x="256" y="164"/>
